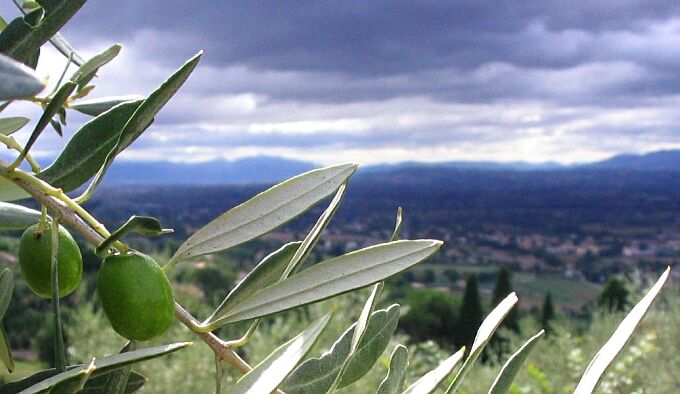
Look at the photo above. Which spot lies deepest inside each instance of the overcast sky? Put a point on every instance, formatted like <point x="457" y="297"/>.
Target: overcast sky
<point x="389" y="81"/>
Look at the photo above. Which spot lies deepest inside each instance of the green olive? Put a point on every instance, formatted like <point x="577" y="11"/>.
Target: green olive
<point x="135" y="295"/>
<point x="35" y="261"/>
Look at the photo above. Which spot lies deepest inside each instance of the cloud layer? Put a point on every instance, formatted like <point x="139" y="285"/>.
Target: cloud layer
<point x="387" y="81"/>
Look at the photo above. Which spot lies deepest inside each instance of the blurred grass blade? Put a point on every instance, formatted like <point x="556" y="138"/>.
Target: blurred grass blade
<point x="266" y="376"/>
<point x="145" y="114"/>
<point x="313" y="237"/>
<point x="266" y="273"/>
<point x="17" y="81"/>
<point x="316" y="375"/>
<point x="511" y="367"/>
<point x="429" y="382"/>
<point x="396" y="375"/>
<point x="86" y="151"/>
<point x="144" y="225"/>
<point x="484" y="334"/>
<point x="13" y="124"/>
<point x="359" y="331"/>
<point x="615" y="344"/>
<point x="265" y="212"/>
<point x="16" y="217"/>
<point x="332" y="277"/>
<point x="22" y="49"/>
<point x="108" y="364"/>
<point x="96" y="107"/>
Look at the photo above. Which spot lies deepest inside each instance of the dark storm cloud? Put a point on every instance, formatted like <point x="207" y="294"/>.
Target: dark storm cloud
<point x="589" y="78"/>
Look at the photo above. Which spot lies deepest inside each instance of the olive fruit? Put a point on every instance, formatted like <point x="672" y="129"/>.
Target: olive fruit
<point x="35" y="261"/>
<point x="135" y="295"/>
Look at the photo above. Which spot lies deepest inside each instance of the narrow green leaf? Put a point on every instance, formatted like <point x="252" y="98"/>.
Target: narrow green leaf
<point x="144" y="115"/>
<point x="92" y="65"/>
<point x="316" y="375"/>
<point x="108" y="364"/>
<point x="94" y="385"/>
<point x="144" y="225"/>
<point x="95" y="107"/>
<point x="332" y="277"/>
<point x="313" y="237"/>
<point x="13" y="124"/>
<point x="5" y="350"/>
<point x="511" y="367"/>
<point x="74" y="383"/>
<point x="266" y="273"/>
<point x="23" y="48"/>
<point x="604" y="357"/>
<point x="86" y="151"/>
<point x="55" y="105"/>
<point x="429" y="382"/>
<point x="397" y="225"/>
<point x="265" y="212"/>
<point x="118" y="379"/>
<point x="484" y="334"/>
<point x="6" y="289"/>
<point x="267" y="375"/>
<point x="359" y="331"/>
<point x="97" y="384"/>
<point x="16" y="217"/>
<point x="17" y="81"/>
<point x="396" y="375"/>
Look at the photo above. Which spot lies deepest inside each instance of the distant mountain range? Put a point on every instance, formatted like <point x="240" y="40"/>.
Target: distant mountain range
<point x="264" y="169"/>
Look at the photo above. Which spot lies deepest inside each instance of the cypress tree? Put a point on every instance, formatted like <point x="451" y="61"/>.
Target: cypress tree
<point x="547" y="312"/>
<point x="614" y="296"/>
<point x="471" y="314"/>
<point x="501" y="290"/>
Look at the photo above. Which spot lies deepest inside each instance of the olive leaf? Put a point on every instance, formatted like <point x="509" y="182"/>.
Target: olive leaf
<point x="604" y="357"/>
<point x="396" y="375"/>
<point x="13" y="124"/>
<point x="9" y="191"/>
<point x="313" y="236"/>
<point x="266" y="273"/>
<point x="17" y="81"/>
<point x="265" y="212"/>
<point x="16" y="217"/>
<point x="95" y="107"/>
<point x="26" y="45"/>
<point x="6" y="289"/>
<point x="108" y="364"/>
<point x="90" y="67"/>
<point x="144" y="225"/>
<point x="144" y="115"/>
<point x="332" y="277"/>
<point x="267" y="375"/>
<point x="429" y="382"/>
<point x="55" y="104"/>
<point x="86" y="151"/>
<point x="359" y="330"/>
<point x="316" y="375"/>
<point x="94" y="385"/>
<point x="511" y="367"/>
<point x="484" y="333"/>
